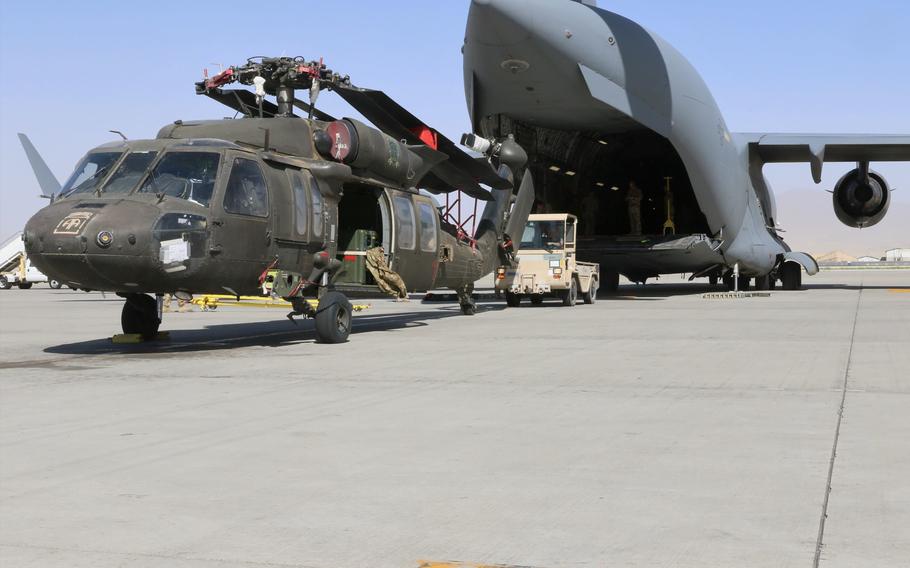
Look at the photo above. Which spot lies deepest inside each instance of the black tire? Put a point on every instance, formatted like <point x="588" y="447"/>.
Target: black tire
<point x="537" y="299"/>
<point x="744" y="283"/>
<point x="25" y="285"/>
<point x="570" y="297"/>
<point x="140" y="315"/>
<point x="611" y="281"/>
<point x="513" y="300"/>
<point x="333" y="318"/>
<point x="55" y="284"/>
<point x="4" y="283"/>
<point x="763" y="282"/>
<point x="590" y="297"/>
<point x="728" y="282"/>
<point x="772" y="283"/>
<point x="712" y="281"/>
<point x="791" y="276"/>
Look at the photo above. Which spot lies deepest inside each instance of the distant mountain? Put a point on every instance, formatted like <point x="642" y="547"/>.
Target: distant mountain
<point x="835" y="256"/>
<point x="811" y="226"/>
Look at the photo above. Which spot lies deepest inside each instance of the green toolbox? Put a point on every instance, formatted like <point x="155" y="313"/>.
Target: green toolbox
<point x="354" y="259"/>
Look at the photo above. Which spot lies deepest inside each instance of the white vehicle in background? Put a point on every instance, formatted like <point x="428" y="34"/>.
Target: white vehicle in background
<point x="17" y="270"/>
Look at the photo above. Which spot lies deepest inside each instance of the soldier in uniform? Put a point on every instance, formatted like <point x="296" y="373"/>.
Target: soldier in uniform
<point x="633" y="201"/>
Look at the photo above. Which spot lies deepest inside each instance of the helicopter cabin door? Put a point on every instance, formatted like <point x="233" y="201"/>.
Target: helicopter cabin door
<point x="416" y="239"/>
<point x="241" y="232"/>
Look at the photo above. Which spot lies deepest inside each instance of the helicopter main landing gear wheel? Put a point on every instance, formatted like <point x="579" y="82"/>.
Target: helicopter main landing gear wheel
<point x="333" y="318"/>
<point x="140" y="316"/>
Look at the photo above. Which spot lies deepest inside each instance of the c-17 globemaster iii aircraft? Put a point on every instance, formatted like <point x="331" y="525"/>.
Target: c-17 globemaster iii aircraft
<point x="621" y="130"/>
<point x="224" y="206"/>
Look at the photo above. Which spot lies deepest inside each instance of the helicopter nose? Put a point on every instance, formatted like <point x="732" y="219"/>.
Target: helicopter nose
<point x="95" y="244"/>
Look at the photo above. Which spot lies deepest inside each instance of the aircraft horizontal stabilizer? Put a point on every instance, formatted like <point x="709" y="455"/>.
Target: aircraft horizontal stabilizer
<point x="46" y="179"/>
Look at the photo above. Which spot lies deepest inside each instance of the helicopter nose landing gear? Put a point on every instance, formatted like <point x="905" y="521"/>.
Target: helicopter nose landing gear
<point x="140" y="316"/>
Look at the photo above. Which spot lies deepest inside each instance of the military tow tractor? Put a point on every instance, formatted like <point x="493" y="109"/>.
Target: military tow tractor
<point x="545" y="265"/>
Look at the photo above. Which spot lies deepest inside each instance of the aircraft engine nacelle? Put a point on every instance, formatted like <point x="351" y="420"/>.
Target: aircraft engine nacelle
<point x="861" y="199"/>
<point x="353" y="143"/>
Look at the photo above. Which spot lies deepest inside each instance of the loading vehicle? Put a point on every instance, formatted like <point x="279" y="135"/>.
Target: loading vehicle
<point x="546" y="264"/>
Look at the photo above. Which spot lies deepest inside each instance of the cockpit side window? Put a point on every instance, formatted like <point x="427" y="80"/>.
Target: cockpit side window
<point x="316" y="195"/>
<point x="129" y="173"/>
<point x="301" y="202"/>
<point x="246" y="193"/>
<point x="184" y="175"/>
<point x="90" y="172"/>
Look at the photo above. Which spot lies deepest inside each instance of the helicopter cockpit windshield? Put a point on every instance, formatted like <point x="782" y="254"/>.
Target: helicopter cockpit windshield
<point x="129" y="172"/>
<point x="89" y="172"/>
<point x="184" y="175"/>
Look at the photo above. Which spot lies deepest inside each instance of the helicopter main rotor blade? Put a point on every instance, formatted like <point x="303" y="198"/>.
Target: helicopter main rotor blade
<point x="317" y="114"/>
<point x="460" y="171"/>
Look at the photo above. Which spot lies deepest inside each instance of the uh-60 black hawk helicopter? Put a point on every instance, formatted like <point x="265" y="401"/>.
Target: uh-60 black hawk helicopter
<point x="217" y="206"/>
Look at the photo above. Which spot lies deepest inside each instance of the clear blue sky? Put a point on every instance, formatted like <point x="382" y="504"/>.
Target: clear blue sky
<point x="71" y="71"/>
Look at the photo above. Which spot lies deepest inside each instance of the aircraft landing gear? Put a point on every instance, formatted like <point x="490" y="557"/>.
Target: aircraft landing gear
<point x="611" y="281"/>
<point x="791" y="276"/>
<point x="333" y="318"/>
<point x="465" y="301"/>
<point x="140" y="316"/>
<point x="763" y="282"/>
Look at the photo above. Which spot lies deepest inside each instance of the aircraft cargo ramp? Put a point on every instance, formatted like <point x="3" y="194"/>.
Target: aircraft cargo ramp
<point x="651" y="254"/>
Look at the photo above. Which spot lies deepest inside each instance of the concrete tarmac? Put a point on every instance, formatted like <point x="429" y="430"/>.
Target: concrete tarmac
<point x="655" y="428"/>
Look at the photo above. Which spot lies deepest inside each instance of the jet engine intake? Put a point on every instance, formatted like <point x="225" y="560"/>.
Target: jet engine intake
<point x="861" y="198"/>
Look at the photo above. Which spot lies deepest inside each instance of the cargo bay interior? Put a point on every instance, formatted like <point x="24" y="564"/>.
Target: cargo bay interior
<point x="363" y="223"/>
<point x="588" y="175"/>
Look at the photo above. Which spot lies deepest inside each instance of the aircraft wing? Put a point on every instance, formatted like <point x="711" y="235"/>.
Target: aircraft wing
<point x="460" y="172"/>
<point x="816" y="149"/>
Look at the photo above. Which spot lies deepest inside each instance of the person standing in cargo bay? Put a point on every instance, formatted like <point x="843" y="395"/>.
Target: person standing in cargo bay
<point x="633" y="202"/>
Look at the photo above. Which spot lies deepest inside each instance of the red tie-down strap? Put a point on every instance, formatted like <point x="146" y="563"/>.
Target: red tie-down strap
<point x="265" y="273"/>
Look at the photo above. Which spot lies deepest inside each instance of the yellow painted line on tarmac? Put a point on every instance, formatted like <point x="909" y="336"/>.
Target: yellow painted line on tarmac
<point x="433" y="564"/>
<point x="900" y="290"/>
